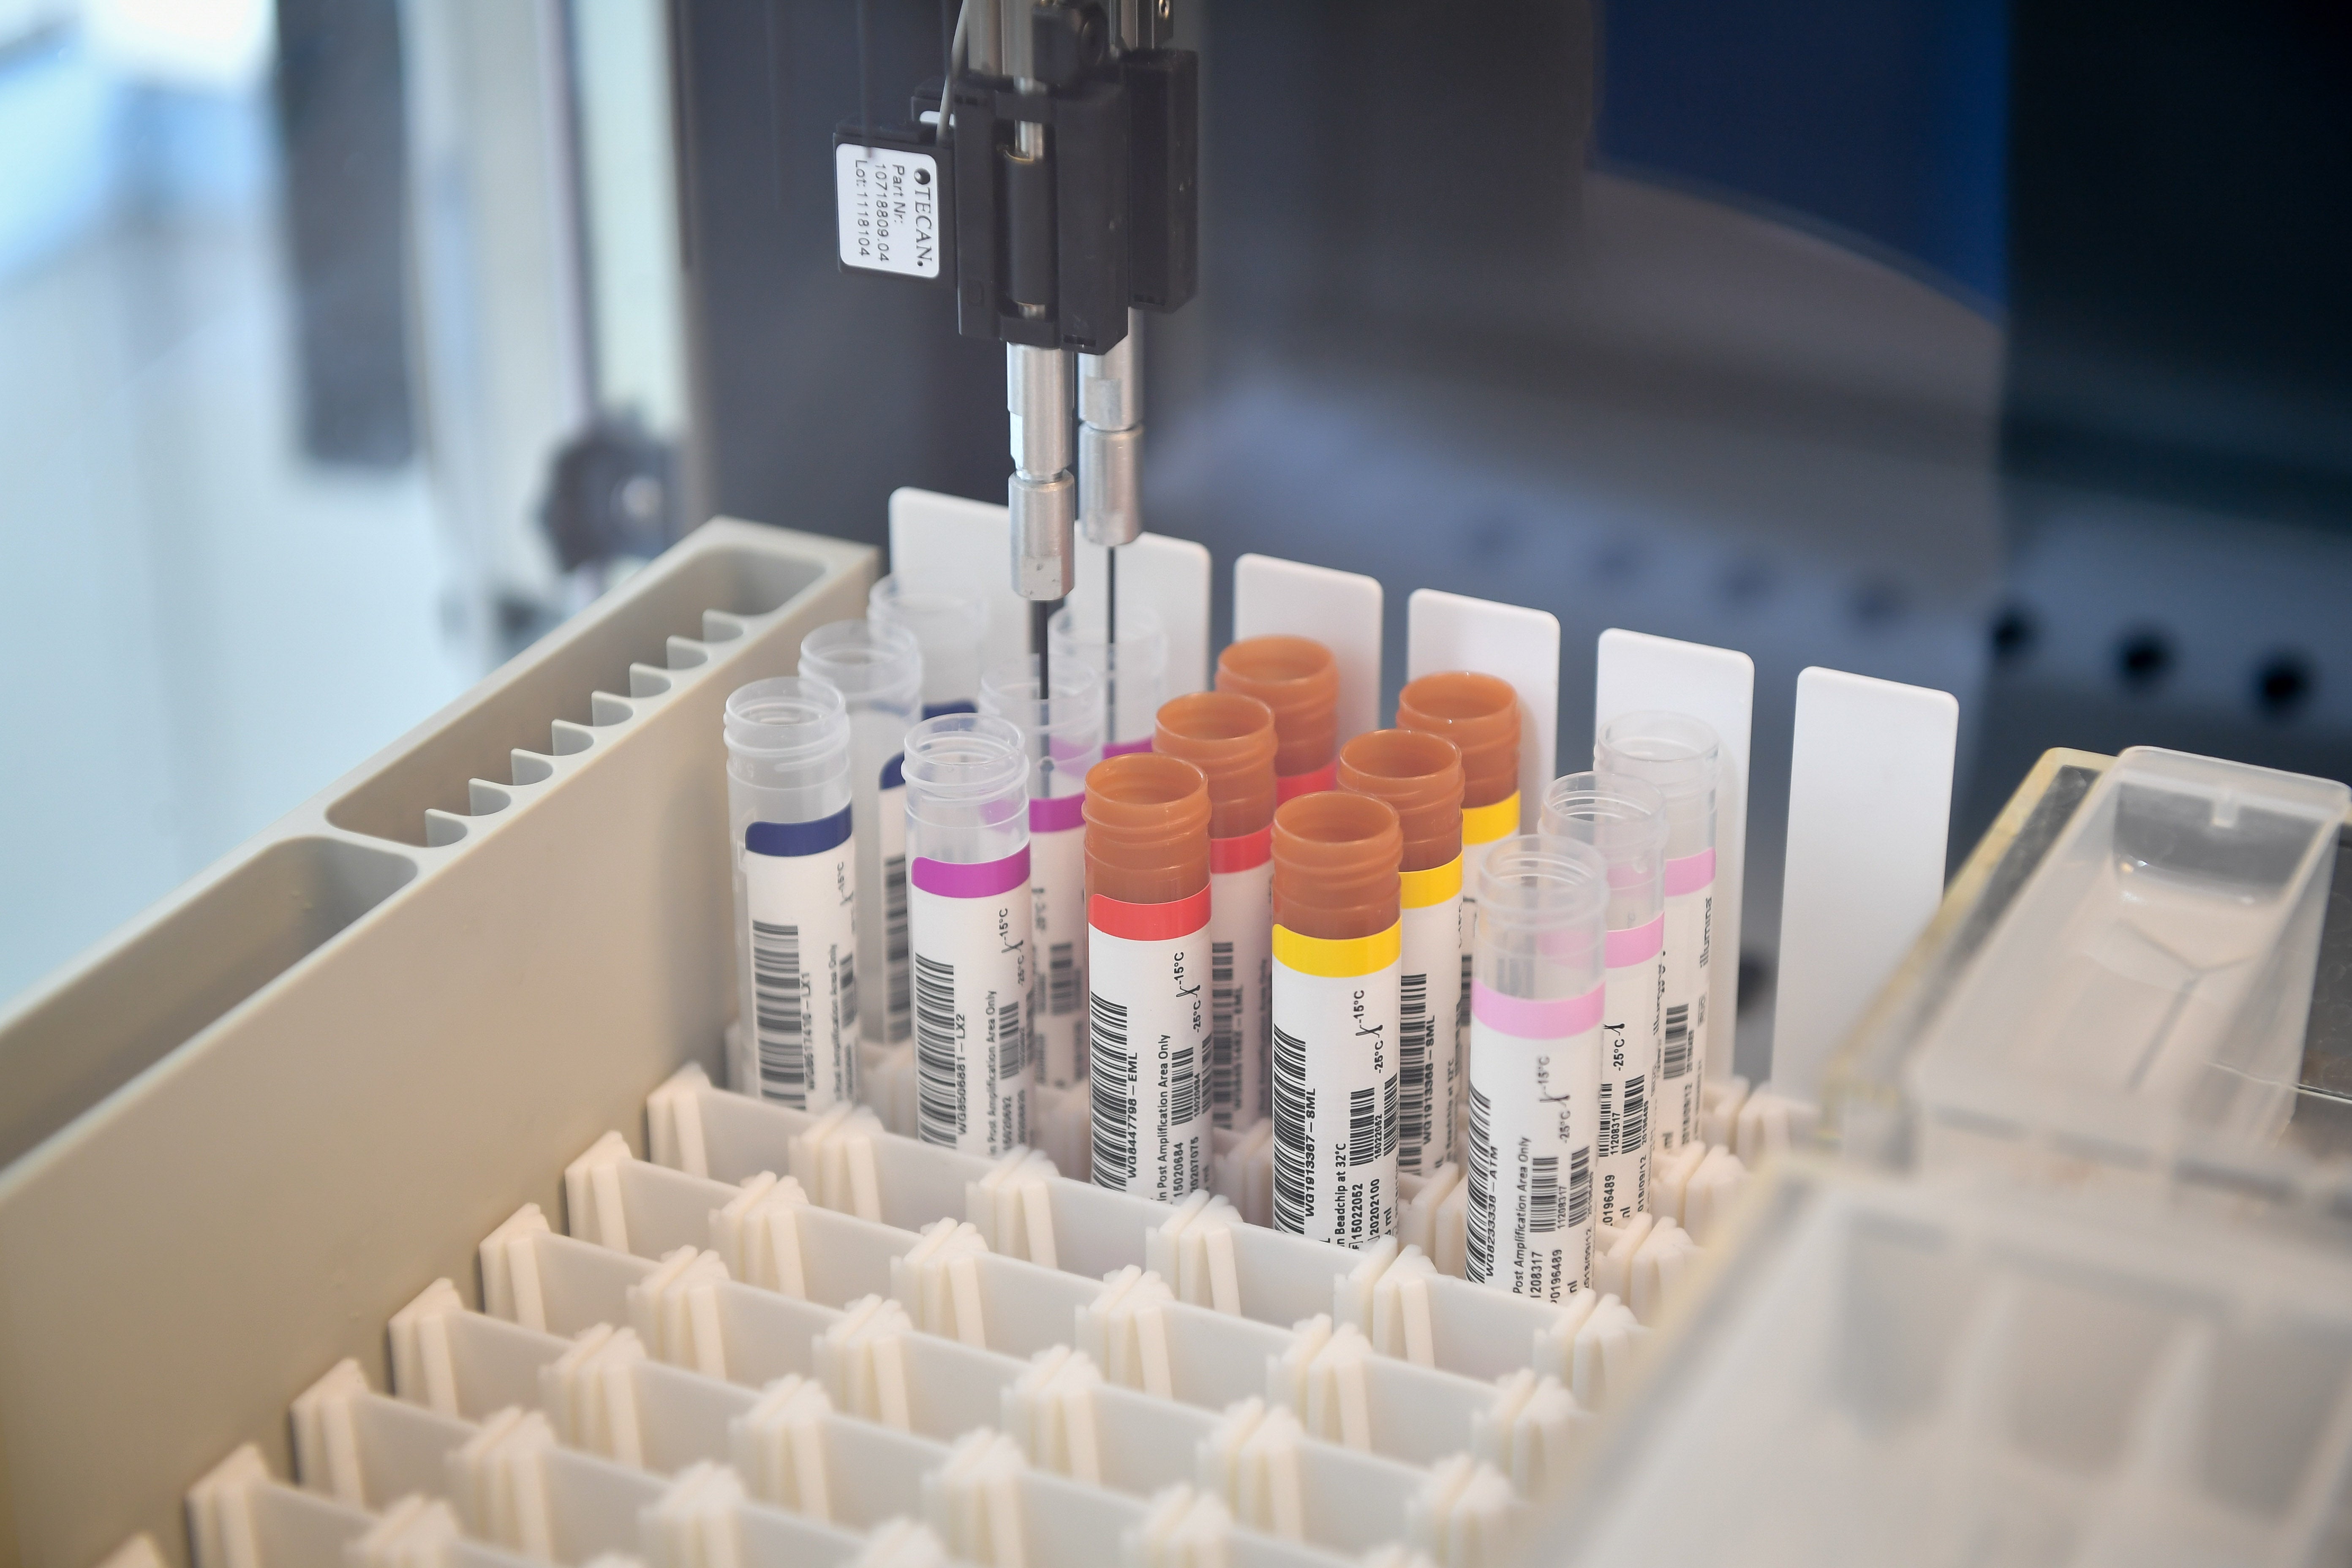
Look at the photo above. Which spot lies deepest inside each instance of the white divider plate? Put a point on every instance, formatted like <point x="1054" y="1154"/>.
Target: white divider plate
<point x="1448" y="631"/>
<point x="946" y="543"/>
<point x="1171" y="577"/>
<point x="1636" y="672"/>
<point x="1341" y="610"/>
<point x="1870" y="799"/>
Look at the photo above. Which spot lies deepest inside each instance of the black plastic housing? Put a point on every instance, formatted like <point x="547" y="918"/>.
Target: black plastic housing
<point x="1163" y="91"/>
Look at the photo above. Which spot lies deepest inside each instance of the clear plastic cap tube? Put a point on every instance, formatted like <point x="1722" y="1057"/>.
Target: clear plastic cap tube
<point x="788" y="750"/>
<point x="1543" y="906"/>
<point x="877" y="669"/>
<point x="1133" y="669"/>
<point x="1061" y="730"/>
<point x="1625" y="820"/>
<point x="948" y="625"/>
<point x="967" y="790"/>
<point x="1675" y="754"/>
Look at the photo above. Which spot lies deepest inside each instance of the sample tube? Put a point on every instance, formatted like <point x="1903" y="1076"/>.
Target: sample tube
<point x="968" y="922"/>
<point x="1480" y="714"/>
<point x="788" y="813"/>
<point x="1134" y="670"/>
<point x="878" y="670"/>
<point x="948" y="625"/>
<point x="1420" y="776"/>
<point x="1676" y="755"/>
<point x="1061" y="736"/>
<point x="1148" y="917"/>
<point x="1625" y="820"/>
<point x="1336" y="948"/>
<point x="1230" y="738"/>
<point x="1535" y="1065"/>
<point x="1298" y="678"/>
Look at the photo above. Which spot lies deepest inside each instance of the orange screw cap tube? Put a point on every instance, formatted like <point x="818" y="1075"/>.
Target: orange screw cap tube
<point x="1148" y="970"/>
<point x="1231" y="739"/>
<point x="1337" y="945"/>
<point x="1420" y="776"/>
<point x="1298" y="678"/>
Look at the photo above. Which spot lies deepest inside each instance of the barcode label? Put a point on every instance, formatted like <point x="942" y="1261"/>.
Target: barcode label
<point x="1183" y="1087"/>
<point x="779" y="991"/>
<point x="1294" y="1157"/>
<point x="1678" y="1041"/>
<point x="1012" y="1039"/>
<point x="1416" y="1062"/>
<point x="1340" y="1064"/>
<point x="1062" y="979"/>
<point x="939" y="1072"/>
<point x="1113" y="1083"/>
<point x="894" y="944"/>
<point x="1057" y="1003"/>
<point x="1633" y="1124"/>
<point x="1543" y="1194"/>
<point x="1224" y="1035"/>
<point x="1478" y="1226"/>
<point x="1580" y="1186"/>
<point x="1364" y="1125"/>
<point x="798" y="964"/>
<point x="1147" y="1008"/>
<point x="1534" y="1114"/>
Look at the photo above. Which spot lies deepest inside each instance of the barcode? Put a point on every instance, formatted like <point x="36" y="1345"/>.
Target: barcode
<point x="1062" y="979"/>
<point x="894" y="943"/>
<point x="1478" y="1227"/>
<point x="1365" y="1124"/>
<point x="782" y="1012"/>
<point x="844" y="984"/>
<point x="1012" y="1039"/>
<point x="1678" y="1050"/>
<point x="1580" y="1186"/>
<point x="939" y="1087"/>
<point x="1461" y="1005"/>
<point x="1416" y="1038"/>
<point x="1543" y="1193"/>
<point x="1633" y="1126"/>
<point x="1294" y="1156"/>
<point x="1183" y="1088"/>
<point x="1111" y="1067"/>
<point x="1608" y="1141"/>
<point x="1224" y="1035"/>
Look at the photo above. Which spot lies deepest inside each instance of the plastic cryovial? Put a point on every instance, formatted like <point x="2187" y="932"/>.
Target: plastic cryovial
<point x="1337" y="943"/>
<point x="1061" y="736"/>
<point x="1298" y="678"/>
<point x="1133" y="669"/>
<point x="1420" y="776"/>
<point x="1148" y="926"/>
<point x="1625" y="820"/>
<point x="788" y="813"/>
<point x="1230" y="738"/>
<point x="969" y="922"/>
<point x="1535" y="1065"/>
<point x="949" y="626"/>
<point x="878" y="670"/>
<point x="1677" y="756"/>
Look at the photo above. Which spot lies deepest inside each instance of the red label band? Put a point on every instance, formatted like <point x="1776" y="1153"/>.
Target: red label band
<point x="1243" y="852"/>
<point x="1291" y="787"/>
<point x="1148" y="922"/>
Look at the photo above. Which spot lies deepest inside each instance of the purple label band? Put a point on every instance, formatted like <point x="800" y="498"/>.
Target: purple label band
<point x="985" y="880"/>
<point x="1554" y="1018"/>
<point x="1690" y="873"/>
<point x="1633" y="945"/>
<point x="1127" y="748"/>
<point x="1057" y="815"/>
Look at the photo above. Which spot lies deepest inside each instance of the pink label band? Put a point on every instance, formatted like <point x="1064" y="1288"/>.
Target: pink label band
<point x="985" y="881"/>
<point x="1127" y="748"/>
<point x="1553" y="1018"/>
<point x="1690" y="873"/>
<point x="1634" y="945"/>
<point x="1058" y="814"/>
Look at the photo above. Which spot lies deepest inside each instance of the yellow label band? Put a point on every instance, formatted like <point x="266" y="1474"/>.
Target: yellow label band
<point x="1341" y="960"/>
<point x="1419" y="889"/>
<point x="1484" y="824"/>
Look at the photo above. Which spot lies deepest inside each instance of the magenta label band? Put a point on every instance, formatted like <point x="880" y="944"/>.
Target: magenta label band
<point x="1635" y="943"/>
<point x="1553" y="1018"/>
<point x="1690" y="873"/>
<point x="1058" y="814"/>
<point x="985" y="881"/>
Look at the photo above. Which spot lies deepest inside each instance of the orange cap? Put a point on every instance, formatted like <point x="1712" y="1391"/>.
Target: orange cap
<point x="1336" y="860"/>
<point x="1420" y="776"/>
<point x="1230" y="738"/>
<point x="1480" y="714"/>
<point x="1147" y="829"/>
<point x="1297" y="677"/>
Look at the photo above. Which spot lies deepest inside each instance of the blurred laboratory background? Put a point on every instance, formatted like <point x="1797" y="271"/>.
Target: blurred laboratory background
<point x="348" y="345"/>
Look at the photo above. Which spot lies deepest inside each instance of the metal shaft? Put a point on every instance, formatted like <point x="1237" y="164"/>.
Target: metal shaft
<point x="1043" y="497"/>
<point x="1110" y="439"/>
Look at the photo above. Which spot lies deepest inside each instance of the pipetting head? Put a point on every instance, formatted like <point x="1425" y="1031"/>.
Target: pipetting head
<point x="1337" y="857"/>
<point x="1480" y="714"/>
<point x="947" y="623"/>
<point x="967" y="788"/>
<point x="1133" y="668"/>
<point x="1299" y="680"/>
<point x="1675" y="754"/>
<point x="790" y="734"/>
<point x="1419" y="774"/>
<point x="871" y="665"/>
<point x="1147" y="829"/>
<point x="1542" y="909"/>
<point x="1230" y="738"/>
<point x="1061" y="730"/>
<point x="1625" y="820"/>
